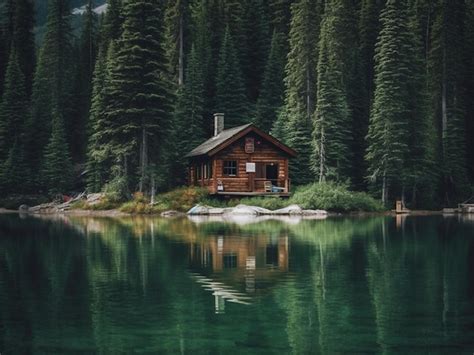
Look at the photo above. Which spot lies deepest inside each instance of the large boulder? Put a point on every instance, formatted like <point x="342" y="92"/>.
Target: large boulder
<point x="290" y="210"/>
<point x="199" y="210"/>
<point x="247" y="210"/>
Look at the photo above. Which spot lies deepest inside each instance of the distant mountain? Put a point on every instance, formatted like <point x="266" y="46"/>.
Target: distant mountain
<point x="42" y="8"/>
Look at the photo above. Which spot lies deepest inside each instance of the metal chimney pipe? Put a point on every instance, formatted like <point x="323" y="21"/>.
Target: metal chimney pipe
<point x="218" y="123"/>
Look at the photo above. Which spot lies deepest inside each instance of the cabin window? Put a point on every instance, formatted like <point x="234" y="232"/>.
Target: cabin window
<point x="208" y="170"/>
<point x="230" y="168"/>
<point x="198" y="172"/>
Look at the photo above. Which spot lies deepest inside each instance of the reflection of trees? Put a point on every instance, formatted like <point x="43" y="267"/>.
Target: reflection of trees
<point x="121" y="285"/>
<point x="418" y="283"/>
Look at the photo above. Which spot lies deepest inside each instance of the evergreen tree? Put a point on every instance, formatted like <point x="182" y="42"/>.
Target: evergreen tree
<point x="13" y="106"/>
<point x="138" y="104"/>
<point x="99" y="142"/>
<point x="25" y="40"/>
<point x="15" y="175"/>
<point x="176" y="26"/>
<point x="469" y="22"/>
<point x="420" y="171"/>
<point x="230" y="95"/>
<point x="388" y="144"/>
<point x="56" y="169"/>
<point x="188" y="117"/>
<point x="256" y="48"/>
<point x="7" y="25"/>
<point x="112" y="26"/>
<point x="272" y="93"/>
<point x="83" y="82"/>
<point x="447" y="75"/>
<point x="332" y="133"/>
<point x="52" y="85"/>
<point x="300" y="84"/>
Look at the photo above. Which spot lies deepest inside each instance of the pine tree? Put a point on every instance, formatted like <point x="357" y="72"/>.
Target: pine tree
<point x="256" y="48"/>
<point x="188" y="118"/>
<point x="56" y="169"/>
<point x="112" y="26"/>
<point x="176" y="26"/>
<point x="230" y="95"/>
<point x="13" y="106"/>
<point x="332" y="134"/>
<point x="52" y="85"/>
<point x="272" y="93"/>
<point x="99" y="143"/>
<point x="300" y="84"/>
<point x="469" y="23"/>
<point x="24" y="39"/>
<point x="7" y="26"/>
<point x="388" y="144"/>
<point x="447" y="75"/>
<point x="87" y="53"/>
<point x="420" y="171"/>
<point x="15" y="176"/>
<point x="138" y="105"/>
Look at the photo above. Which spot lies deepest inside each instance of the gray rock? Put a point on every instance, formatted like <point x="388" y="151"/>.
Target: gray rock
<point x="199" y="210"/>
<point x="290" y="210"/>
<point x="23" y="208"/>
<point x="314" y="213"/>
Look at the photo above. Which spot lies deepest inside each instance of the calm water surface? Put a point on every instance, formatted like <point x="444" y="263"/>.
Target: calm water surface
<point x="137" y="285"/>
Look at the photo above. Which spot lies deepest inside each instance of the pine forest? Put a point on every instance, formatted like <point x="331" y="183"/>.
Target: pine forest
<point x="377" y="95"/>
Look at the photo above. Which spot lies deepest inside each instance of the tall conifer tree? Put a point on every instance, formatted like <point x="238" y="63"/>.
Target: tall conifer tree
<point x="388" y="143"/>
<point x="447" y="75"/>
<point x="138" y="108"/>
<point x="52" y="85"/>
<point x="300" y="84"/>
<point x="272" y="92"/>
<point x="230" y="95"/>
<point x="332" y="133"/>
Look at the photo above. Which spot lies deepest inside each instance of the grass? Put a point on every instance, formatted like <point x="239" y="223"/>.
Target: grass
<point x="326" y="196"/>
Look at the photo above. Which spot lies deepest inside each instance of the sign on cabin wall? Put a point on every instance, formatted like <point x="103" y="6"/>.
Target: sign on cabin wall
<point x="250" y="167"/>
<point x="249" y="145"/>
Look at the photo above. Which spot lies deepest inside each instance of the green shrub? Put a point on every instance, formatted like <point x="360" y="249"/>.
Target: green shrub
<point x="334" y="197"/>
<point x="270" y="203"/>
<point x="181" y="199"/>
<point x="117" y="190"/>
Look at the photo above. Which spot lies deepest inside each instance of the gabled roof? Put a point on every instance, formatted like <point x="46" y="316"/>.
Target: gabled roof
<point x="229" y="136"/>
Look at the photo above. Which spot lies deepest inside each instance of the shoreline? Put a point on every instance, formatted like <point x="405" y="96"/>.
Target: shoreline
<point x="118" y="213"/>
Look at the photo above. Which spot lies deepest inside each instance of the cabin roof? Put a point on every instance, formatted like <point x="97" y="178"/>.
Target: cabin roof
<point x="229" y="136"/>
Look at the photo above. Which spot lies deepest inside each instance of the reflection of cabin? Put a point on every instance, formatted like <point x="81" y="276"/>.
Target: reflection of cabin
<point x="241" y="161"/>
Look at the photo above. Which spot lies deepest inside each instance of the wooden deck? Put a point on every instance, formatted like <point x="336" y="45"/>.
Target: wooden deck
<point x="253" y="193"/>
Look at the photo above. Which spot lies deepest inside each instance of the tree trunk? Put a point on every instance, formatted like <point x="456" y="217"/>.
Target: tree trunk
<point x="384" y="189"/>
<point x="321" y="157"/>
<point x="181" y="52"/>
<point x="143" y="160"/>
<point x="153" y="190"/>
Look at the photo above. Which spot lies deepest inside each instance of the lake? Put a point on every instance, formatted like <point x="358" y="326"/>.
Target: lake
<point x="153" y="285"/>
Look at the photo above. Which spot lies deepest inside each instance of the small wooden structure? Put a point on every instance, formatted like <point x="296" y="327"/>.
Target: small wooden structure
<point x="241" y="161"/>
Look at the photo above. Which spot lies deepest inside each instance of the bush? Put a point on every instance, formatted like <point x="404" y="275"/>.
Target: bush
<point x="270" y="203"/>
<point x="181" y="199"/>
<point x="116" y="190"/>
<point x="334" y="197"/>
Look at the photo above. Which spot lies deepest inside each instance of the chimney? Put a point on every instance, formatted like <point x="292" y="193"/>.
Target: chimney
<point x="218" y="123"/>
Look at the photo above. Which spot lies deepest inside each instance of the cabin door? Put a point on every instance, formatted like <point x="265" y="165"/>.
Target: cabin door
<point x="271" y="173"/>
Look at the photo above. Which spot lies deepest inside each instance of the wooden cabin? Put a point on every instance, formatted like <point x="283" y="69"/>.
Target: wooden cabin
<point x="241" y="161"/>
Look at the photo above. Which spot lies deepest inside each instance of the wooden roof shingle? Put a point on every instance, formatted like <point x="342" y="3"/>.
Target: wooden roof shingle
<point x="228" y="136"/>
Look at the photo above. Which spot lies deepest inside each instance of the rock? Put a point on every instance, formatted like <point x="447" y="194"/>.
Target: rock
<point x="290" y="210"/>
<point x="247" y="210"/>
<point x="199" y="210"/>
<point x="23" y="208"/>
<point x="314" y="213"/>
<point x="216" y="211"/>
<point x="171" y="213"/>
<point x="94" y="199"/>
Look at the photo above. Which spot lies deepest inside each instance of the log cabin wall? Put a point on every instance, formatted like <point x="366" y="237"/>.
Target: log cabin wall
<point x="264" y="152"/>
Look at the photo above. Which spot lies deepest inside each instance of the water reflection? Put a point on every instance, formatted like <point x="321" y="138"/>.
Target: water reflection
<point x="101" y="285"/>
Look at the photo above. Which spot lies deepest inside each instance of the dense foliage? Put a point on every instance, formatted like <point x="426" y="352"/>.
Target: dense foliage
<point x="373" y="94"/>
